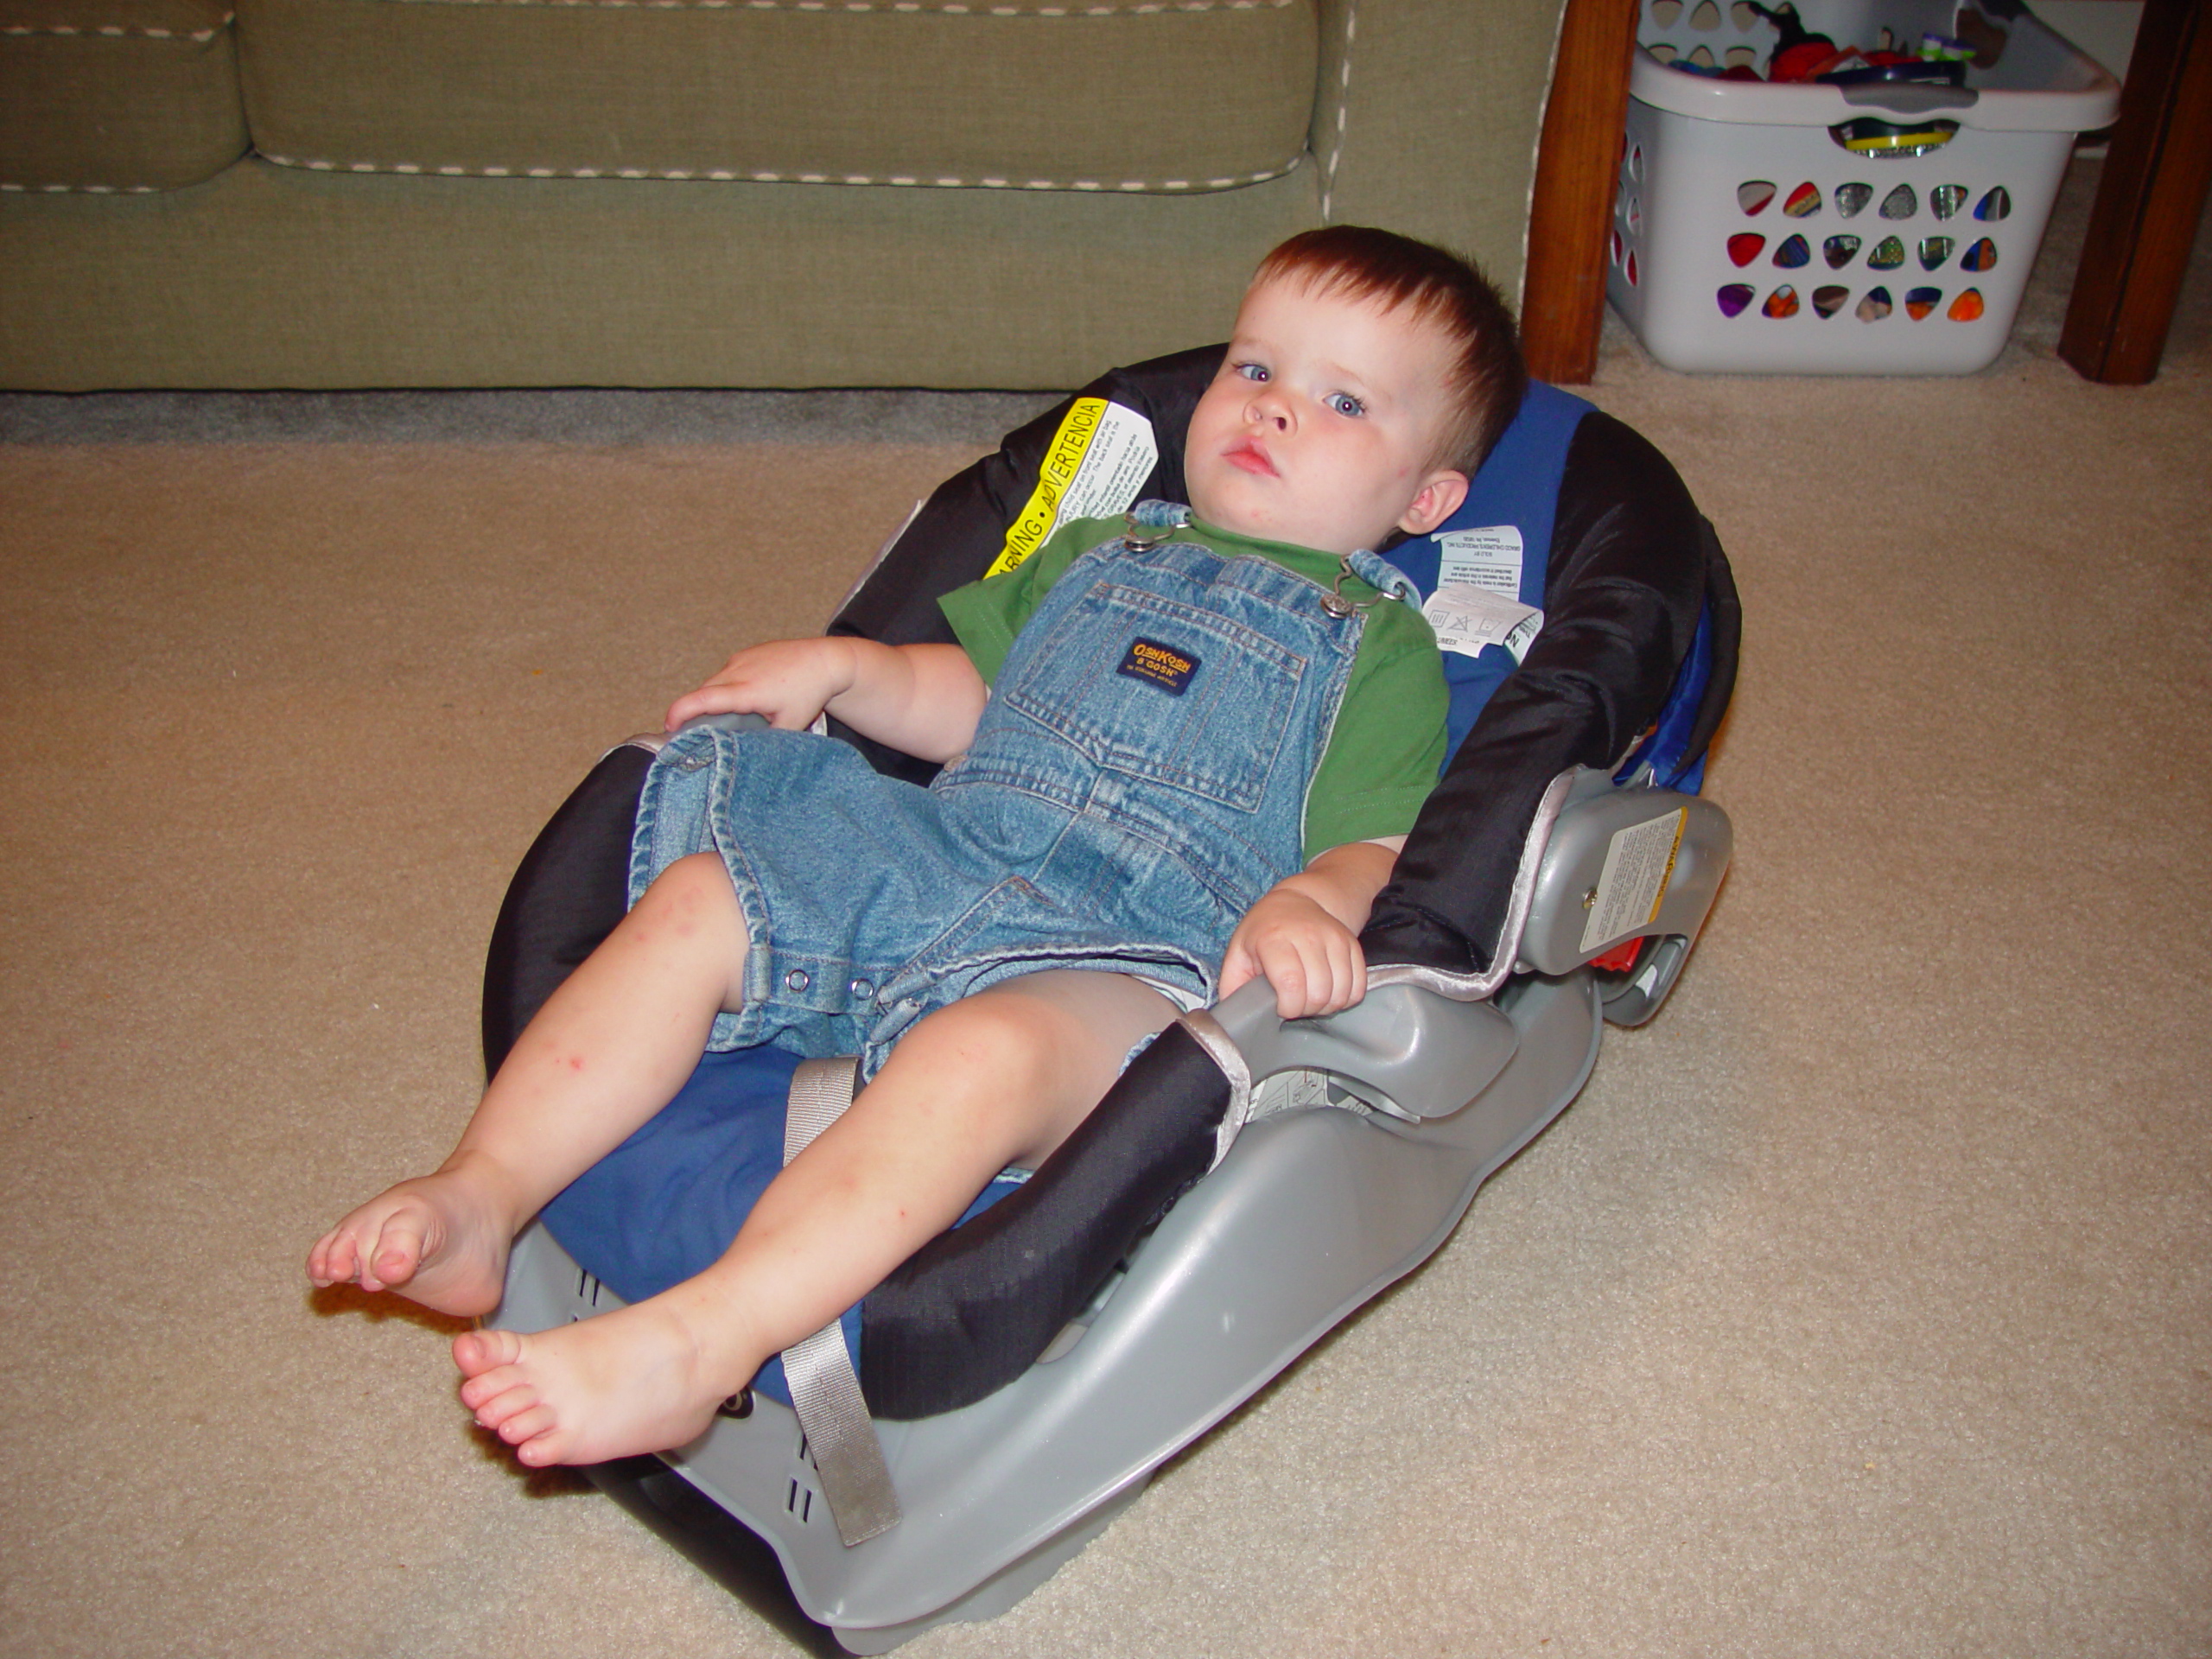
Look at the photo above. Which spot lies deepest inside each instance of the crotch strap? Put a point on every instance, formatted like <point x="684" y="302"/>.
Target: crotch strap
<point x="825" y="1392"/>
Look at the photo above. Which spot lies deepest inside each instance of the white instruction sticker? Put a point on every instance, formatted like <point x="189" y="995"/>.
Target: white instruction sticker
<point x="1489" y="558"/>
<point x="1638" y="862"/>
<point x="1120" y="459"/>
<point x="1466" y="617"/>
<point x="1093" y="469"/>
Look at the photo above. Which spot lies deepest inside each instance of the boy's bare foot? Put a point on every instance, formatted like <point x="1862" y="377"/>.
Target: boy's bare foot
<point x="631" y="1381"/>
<point x="441" y="1240"/>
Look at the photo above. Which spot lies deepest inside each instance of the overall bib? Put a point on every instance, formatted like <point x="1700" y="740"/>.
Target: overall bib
<point x="1137" y="781"/>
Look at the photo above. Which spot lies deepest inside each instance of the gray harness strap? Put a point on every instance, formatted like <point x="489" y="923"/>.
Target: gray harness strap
<point x="825" y="1390"/>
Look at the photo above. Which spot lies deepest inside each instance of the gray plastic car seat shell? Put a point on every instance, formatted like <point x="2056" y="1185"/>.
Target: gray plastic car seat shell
<point x="1307" y="1216"/>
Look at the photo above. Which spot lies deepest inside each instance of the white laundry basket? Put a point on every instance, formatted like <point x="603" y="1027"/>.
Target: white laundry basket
<point x="1748" y="239"/>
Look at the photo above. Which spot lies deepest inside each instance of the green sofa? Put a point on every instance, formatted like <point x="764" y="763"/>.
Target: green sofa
<point x="716" y="192"/>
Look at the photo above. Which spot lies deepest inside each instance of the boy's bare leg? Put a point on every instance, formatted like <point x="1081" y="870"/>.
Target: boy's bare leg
<point x="999" y="1078"/>
<point x="609" y="1049"/>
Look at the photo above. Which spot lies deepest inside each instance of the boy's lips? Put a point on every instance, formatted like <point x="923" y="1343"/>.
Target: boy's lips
<point x="1247" y="455"/>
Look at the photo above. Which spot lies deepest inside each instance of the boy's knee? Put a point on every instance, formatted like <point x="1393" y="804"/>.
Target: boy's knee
<point x="1006" y="1035"/>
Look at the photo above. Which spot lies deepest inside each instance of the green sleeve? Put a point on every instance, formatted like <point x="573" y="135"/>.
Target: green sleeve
<point x="1387" y="743"/>
<point x="987" y="615"/>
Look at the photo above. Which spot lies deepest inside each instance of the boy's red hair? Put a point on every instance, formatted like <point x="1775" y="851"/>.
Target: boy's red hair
<point x="1487" y="376"/>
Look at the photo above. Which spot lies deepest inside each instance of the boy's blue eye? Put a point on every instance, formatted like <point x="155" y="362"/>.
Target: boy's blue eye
<point x="1251" y="370"/>
<point x="1344" y="404"/>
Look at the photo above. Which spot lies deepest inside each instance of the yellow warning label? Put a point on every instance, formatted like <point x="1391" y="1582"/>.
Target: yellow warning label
<point x="1673" y="852"/>
<point x="1062" y="461"/>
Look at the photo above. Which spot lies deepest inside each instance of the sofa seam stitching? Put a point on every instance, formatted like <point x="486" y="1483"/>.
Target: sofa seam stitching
<point x="955" y="8"/>
<point x="119" y="31"/>
<point x="732" y="176"/>
<point x="1343" y="104"/>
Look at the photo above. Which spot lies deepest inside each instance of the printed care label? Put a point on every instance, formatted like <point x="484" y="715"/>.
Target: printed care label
<point x="1488" y="558"/>
<point x="1093" y="469"/>
<point x="1466" y="617"/>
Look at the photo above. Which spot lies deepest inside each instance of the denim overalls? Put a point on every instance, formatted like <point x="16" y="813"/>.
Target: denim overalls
<point x="1137" y="781"/>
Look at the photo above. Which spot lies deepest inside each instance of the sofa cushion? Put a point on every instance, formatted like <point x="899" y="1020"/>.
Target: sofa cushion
<point x="121" y="95"/>
<point x="1076" y="94"/>
<point x="275" y="277"/>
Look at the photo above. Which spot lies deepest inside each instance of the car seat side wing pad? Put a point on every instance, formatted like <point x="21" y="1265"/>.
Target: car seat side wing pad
<point x="1625" y="581"/>
<point x="569" y="891"/>
<point x="968" y="1312"/>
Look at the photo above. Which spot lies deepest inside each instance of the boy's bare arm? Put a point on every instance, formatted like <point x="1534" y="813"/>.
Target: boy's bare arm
<point x="923" y="699"/>
<point x="1303" y="936"/>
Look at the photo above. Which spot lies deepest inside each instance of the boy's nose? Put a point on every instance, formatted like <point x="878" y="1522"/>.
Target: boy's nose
<point x="1268" y="408"/>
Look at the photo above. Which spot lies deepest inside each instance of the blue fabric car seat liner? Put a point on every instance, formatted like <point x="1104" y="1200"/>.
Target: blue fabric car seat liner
<point x="1636" y="655"/>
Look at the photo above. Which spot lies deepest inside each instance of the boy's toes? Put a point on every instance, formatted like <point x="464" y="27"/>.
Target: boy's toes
<point x="398" y="1253"/>
<point x="479" y="1351"/>
<point x="331" y="1260"/>
<point x="527" y="1426"/>
<point x="497" y="1397"/>
<point x="540" y="1453"/>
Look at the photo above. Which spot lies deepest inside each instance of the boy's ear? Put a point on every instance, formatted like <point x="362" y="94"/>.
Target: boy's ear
<point x="1439" y="499"/>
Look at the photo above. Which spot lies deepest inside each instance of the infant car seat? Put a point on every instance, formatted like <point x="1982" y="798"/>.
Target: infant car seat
<point x="1248" y="1183"/>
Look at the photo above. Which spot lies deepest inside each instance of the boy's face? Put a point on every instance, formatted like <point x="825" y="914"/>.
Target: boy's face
<point x="1323" y="425"/>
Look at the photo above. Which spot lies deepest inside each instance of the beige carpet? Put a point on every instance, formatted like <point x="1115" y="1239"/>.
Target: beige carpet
<point x="1859" y="1307"/>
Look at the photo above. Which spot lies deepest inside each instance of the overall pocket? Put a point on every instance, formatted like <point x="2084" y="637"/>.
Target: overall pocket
<point x="1154" y="687"/>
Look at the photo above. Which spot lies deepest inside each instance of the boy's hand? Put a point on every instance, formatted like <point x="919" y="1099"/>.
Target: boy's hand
<point x="789" y="681"/>
<point x="923" y="699"/>
<point x="1311" y="959"/>
<point x="1304" y="933"/>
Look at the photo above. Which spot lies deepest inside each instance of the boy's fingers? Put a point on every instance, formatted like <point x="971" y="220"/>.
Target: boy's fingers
<point x="692" y="704"/>
<point x="715" y="699"/>
<point x="1351" y="976"/>
<point x="1237" y="968"/>
<point x="1291" y="973"/>
<point x="1320" y="975"/>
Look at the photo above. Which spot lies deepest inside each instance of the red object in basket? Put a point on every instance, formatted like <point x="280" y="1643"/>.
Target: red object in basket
<point x="1802" y="61"/>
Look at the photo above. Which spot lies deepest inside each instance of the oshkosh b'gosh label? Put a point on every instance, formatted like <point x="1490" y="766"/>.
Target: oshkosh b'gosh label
<point x="1161" y="666"/>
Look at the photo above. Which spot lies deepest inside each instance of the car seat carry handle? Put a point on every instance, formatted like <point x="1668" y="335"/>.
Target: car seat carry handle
<point x="825" y="1392"/>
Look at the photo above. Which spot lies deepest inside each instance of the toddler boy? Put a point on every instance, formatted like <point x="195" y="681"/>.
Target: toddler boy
<point x="1176" y="757"/>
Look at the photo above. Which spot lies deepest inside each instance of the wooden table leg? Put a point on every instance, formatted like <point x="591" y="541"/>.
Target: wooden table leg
<point x="1563" y="292"/>
<point x="2149" y="202"/>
